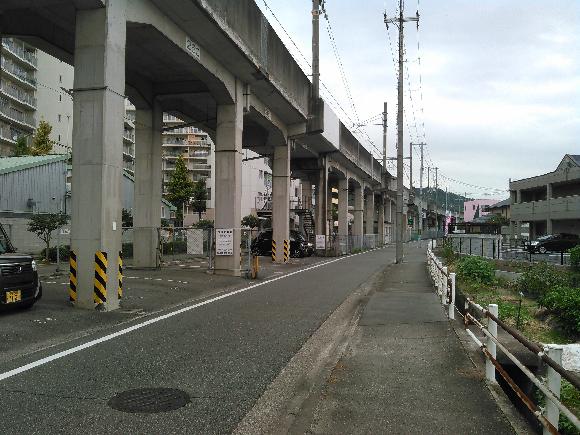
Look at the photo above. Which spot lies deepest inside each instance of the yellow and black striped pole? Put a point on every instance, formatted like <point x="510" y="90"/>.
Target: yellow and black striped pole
<point x="120" y="276"/>
<point x="286" y="250"/>
<point x="72" y="282"/>
<point x="273" y="250"/>
<point x="100" y="285"/>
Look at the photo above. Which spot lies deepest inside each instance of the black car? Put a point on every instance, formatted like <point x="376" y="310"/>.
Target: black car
<point x="19" y="283"/>
<point x="299" y="246"/>
<point x="553" y="243"/>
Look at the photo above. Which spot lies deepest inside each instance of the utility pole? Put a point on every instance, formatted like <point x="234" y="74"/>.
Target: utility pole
<point x="436" y="199"/>
<point x="385" y="137"/>
<point x="400" y="228"/>
<point x="421" y="169"/>
<point x="315" y="50"/>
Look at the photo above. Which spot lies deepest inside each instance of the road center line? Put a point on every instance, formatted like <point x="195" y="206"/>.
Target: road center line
<point x="122" y="332"/>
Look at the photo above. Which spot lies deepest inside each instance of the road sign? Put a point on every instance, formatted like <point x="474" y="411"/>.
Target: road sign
<point x="320" y="241"/>
<point x="410" y="221"/>
<point x="224" y="241"/>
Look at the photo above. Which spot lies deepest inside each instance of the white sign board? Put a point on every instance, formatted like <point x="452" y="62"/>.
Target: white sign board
<point x="65" y="232"/>
<point x="320" y="241"/>
<point x="195" y="242"/>
<point x="192" y="48"/>
<point x="224" y="241"/>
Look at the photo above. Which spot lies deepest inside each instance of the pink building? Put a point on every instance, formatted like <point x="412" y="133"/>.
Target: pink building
<point x="476" y="208"/>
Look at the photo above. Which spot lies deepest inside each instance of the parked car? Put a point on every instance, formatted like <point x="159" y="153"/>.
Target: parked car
<point x="19" y="283"/>
<point x="553" y="243"/>
<point x="299" y="246"/>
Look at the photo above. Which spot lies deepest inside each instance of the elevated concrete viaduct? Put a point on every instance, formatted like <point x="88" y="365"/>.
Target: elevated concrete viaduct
<point x="218" y="65"/>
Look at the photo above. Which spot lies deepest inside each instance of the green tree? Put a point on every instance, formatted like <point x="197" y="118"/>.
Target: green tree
<point x="204" y="224"/>
<point x="199" y="197"/>
<point x="44" y="224"/>
<point x="250" y="221"/>
<point x="21" y="147"/>
<point x="179" y="188"/>
<point x="497" y="219"/>
<point x="41" y="142"/>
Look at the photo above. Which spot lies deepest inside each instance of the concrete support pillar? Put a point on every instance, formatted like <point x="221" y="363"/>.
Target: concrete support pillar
<point x="98" y="108"/>
<point x="518" y="196"/>
<point x="228" y="179"/>
<point x="549" y="226"/>
<point x="281" y="202"/>
<point x="306" y="195"/>
<point x="549" y="192"/>
<point x="370" y="213"/>
<point x="382" y="221"/>
<point x="321" y="201"/>
<point x="147" y="209"/>
<point x="343" y="207"/>
<point x="357" y="224"/>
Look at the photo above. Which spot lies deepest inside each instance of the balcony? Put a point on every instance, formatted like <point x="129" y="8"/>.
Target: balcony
<point x="18" y="50"/>
<point x="17" y="94"/>
<point x="196" y="167"/>
<point x="555" y="208"/>
<point x="175" y="154"/>
<point x="24" y="118"/>
<point x="18" y="73"/>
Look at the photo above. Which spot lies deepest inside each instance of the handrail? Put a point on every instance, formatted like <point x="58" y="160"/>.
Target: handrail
<point x="531" y="346"/>
<point x="548" y="416"/>
<point x="555" y="400"/>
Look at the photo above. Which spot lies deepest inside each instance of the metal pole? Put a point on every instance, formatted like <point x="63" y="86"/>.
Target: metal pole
<point x="315" y="50"/>
<point x="436" y="201"/>
<point x="421" y="192"/>
<point x="399" y="223"/>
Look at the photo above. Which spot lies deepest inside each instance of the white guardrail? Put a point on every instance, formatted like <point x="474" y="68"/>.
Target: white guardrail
<point x="551" y="355"/>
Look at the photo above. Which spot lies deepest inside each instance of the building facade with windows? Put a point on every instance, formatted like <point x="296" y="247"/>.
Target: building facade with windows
<point x="18" y="87"/>
<point x="549" y="203"/>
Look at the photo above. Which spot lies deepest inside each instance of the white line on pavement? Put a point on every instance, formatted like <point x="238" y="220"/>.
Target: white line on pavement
<point x="122" y="332"/>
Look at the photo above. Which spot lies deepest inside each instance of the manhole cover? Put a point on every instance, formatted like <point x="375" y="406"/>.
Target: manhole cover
<point x="149" y="400"/>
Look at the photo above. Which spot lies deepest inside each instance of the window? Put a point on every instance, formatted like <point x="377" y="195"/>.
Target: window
<point x="473" y="206"/>
<point x="260" y="174"/>
<point x="163" y="212"/>
<point x="60" y="79"/>
<point x="59" y="117"/>
<point x="59" y="138"/>
<point x="209" y="193"/>
<point x="60" y="97"/>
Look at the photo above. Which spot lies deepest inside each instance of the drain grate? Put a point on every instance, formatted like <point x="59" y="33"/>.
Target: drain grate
<point x="149" y="400"/>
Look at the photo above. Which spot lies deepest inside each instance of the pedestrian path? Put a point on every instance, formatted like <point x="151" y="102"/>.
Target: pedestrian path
<point x="405" y="370"/>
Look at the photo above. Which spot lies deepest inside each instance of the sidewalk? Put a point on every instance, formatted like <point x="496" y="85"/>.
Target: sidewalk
<point x="405" y="371"/>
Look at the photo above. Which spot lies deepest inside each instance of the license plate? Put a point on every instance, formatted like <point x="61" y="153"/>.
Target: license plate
<point x="13" y="296"/>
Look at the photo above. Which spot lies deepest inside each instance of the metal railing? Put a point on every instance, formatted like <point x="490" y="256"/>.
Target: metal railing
<point x="13" y="113"/>
<point x="18" y="72"/>
<point x="18" y="94"/>
<point x="18" y="50"/>
<point x="551" y="355"/>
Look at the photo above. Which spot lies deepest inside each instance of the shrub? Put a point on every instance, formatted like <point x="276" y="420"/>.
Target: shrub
<point x="539" y="278"/>
<point x="204" y="224"/>
<point x="564" y="303"/>
<point x="575" y="257"/>
<point x="64" y="253"/>
<point x="447" y="252"/>
<point x="476" y="269"/>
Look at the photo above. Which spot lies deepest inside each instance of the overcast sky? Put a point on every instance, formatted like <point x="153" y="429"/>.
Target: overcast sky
<point x="500" y="80"/>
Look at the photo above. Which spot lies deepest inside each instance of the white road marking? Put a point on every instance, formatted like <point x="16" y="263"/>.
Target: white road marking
<point x="50" y="282"/>
<point x="169" y="280"/>
<point x="125" y="331"/>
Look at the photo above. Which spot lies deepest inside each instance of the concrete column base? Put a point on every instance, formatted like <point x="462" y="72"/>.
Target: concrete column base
<point x="145" y="248"/>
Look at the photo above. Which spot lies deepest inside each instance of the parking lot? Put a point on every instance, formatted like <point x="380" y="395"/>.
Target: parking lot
<point x="53" y="320"/>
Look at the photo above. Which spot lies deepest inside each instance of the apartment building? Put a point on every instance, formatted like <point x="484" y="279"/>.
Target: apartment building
<point x="195" y="147"/>
<point x="18" y="86"/>
<point x="548" y="203"/>
<point x="129" y="138"/>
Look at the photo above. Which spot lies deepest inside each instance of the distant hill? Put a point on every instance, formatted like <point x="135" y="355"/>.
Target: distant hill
<point x="454" y="201"/>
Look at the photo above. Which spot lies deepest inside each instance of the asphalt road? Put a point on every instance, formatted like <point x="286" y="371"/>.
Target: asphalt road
<point x="223" y="354"/>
